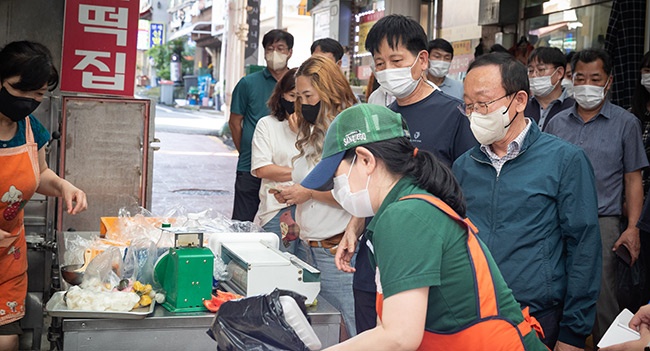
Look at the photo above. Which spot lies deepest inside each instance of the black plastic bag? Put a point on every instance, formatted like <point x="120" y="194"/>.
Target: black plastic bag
<point x="256" y="323"/>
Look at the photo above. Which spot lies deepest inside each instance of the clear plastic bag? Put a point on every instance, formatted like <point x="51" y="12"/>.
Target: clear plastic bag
<point x="139" y="260"/>
<point x="104" y="271"/>
<point x="220" y="271"/>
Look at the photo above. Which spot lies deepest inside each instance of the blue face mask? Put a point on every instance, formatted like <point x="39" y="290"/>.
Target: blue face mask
<point x="15" y="107"/>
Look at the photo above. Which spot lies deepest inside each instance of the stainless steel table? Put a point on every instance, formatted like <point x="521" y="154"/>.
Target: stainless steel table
<point x="164" y="330"/>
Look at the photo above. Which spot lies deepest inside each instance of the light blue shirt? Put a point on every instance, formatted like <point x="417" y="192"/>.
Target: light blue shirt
<point x="543" y="112"/>
<point x="452" y="87"/>
<point x="612" y="141"/>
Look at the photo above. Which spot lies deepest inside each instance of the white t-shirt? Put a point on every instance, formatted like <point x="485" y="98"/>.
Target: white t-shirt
<point x="317" y="220"/>
<point x="274" y="143"/>
<point x="381" y="97"/>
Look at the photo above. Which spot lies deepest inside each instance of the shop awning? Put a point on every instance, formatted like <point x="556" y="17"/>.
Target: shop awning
<point x="543" y="31"/>
<point x="191" y="29"/>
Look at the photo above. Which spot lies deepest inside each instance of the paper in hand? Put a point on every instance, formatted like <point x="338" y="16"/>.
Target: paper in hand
<point x="619" y="331"/>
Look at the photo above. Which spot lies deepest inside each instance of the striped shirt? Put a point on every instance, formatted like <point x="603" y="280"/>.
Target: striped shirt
<point x="513" y="150"/>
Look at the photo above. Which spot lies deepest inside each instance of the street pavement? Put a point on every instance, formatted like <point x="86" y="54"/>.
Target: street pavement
<point x="195" y="165"/>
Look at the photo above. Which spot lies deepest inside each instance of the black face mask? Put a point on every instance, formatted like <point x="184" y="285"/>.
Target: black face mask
<point x="310" y="112"/>
<point x="14" y="107"/>
<point x="287" y="105"/>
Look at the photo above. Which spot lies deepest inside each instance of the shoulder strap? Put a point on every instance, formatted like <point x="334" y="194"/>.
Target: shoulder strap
<point x="487" y="300"/>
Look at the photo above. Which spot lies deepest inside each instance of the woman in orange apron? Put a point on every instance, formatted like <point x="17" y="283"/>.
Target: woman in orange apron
<point x="26" y="74"/>
<point x="438" y="286"/>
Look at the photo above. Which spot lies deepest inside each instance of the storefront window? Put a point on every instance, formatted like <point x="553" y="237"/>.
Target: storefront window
<point x="571" y="30"/>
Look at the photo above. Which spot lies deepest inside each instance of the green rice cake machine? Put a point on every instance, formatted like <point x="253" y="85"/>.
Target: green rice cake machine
<point x="185" y="272"/>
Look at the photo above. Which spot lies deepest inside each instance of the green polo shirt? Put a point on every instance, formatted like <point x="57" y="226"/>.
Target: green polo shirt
<point x="416" y="245"/>
<point x="249" y="100"/>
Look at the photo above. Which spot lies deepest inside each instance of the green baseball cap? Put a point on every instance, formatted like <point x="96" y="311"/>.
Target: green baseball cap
<point x="358" y="125"/>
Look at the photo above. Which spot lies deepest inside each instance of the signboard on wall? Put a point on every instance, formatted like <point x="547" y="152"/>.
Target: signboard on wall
<point x="365" y="23"/>
<point x="99" y="46"/>
<point x="251" y="50"/>
<point x="321" y="24"/>
<point x="156" y="34"/>
<point x="143" y="34"/>
<point x="463" y="56"/>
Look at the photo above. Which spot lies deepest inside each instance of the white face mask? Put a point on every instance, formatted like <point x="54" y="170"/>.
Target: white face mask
<point x="439" y="68"/>
<point x="567" y="84"/>
<point x="276" y="60"/>
<point x="645" y="81"/>
<point x="398" y="81"/>
<point x="357" y="204"/>
<point x="491" y="127"/>
<point x="542" y="86"/>
<point x="589" y="96"/>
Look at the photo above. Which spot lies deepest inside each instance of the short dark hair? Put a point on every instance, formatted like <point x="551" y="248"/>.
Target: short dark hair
<point x="285" y="84"/>
<point x="276" y="35"/>
<point x="397" y="29"/>
<point x="514" y="75"/>
<point x="32" y="62"/>
<point x="498" y="48"/>
<point x="569" y="56"/>
<point x="591" y="55"/>
<point x="548" y="55"/>
<point x="328" y="45"/>
<point x="441" y="44"/>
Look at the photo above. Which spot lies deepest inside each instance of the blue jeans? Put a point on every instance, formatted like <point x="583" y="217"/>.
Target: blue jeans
<point x="335" y="285"/>
<point x="273" y="226"/>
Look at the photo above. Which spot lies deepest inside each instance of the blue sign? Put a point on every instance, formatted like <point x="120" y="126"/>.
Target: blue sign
<point x="156" y="34"/>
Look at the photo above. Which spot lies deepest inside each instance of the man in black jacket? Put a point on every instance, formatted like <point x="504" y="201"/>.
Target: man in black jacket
<point x="545" y="73"/>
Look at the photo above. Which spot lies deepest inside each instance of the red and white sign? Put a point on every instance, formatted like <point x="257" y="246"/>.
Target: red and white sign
<point x="99" y="46"/>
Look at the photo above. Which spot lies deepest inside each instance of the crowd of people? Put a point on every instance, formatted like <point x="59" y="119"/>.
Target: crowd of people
<point x="496" y="213"/>
<point x="504" y="212"/>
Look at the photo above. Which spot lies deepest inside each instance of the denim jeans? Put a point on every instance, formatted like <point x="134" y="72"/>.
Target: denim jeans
<point x="335" y="285"/>
<point x="273" y="226"/>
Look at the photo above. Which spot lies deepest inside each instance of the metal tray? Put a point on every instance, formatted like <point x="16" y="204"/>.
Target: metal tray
<point x="56" y="307"/>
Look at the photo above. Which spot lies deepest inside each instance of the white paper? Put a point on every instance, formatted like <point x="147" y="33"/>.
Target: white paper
<point x="619" y="331"/>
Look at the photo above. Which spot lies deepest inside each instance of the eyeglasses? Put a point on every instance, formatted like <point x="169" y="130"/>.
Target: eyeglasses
<point x="480" y="107"/>
<point x="281" y="49"/>
<point x="540" y="71"/>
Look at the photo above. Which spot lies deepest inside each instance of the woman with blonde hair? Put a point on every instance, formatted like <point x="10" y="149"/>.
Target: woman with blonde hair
<point x="323" y="92"/>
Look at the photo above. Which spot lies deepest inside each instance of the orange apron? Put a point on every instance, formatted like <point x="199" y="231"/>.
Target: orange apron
<point x="19" y="178"/>
<point x="490" y="331"/>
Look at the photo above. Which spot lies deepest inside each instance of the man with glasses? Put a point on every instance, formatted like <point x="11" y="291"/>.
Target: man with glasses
<point x="545" y="74"/>
<point x="611" y="137"/>
<point x="249" y="105"/>
<point x="532" y="198"/>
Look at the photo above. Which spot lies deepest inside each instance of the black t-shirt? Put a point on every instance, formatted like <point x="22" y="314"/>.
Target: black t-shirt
<point x="437" y="125"/>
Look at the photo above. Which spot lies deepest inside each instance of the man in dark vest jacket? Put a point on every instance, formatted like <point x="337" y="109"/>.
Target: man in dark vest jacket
<point x="545" y="73"/>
